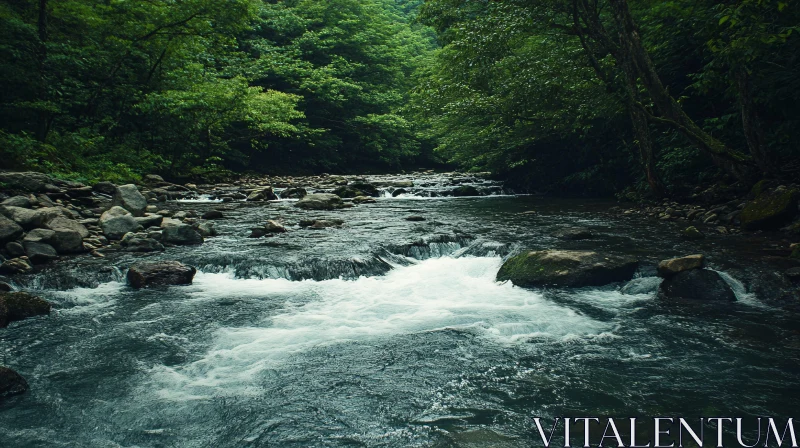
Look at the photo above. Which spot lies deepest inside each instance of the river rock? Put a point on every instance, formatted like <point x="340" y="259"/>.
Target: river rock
<point x="697" y="285"/>
<point x="213" y="214"/>
<point x="9" y="230"/>
<point x="16" y="306"/>
<point x="129" y="198"/>
<point x="671" y="267"/>
<point x="566" y="268"/>
<point x="206" y="229"/>
<point x="321" y="223"/>
<point x="364" y="200"/>
<point x="294" y="193"/>
<point x="770" y="210"/>
<point x="11" y="383"/>
<point x="62" y="223"/>
<point x="170" y="222"/>
<point x="39" y="253"/>
<point x="19" y="265"/>
<point x="106" y="188"/>
<point x="137" y="242"/>
<point x="161" y="273"/>
<point x="18" y="201"/>
<point x="466" y="190"/>
<point x="415" y="218"/>
<point x="15" y="249"/>
<point x="357" y="189"/>
<point x="116" y="222"/>
<point x="572" y="233"/>
<point x="320" y="201"/>
<point x="183" y="234"/>
<point x="30" y="219"/>
<point x="691" y="233"/>
<point x="149" y="220"/>
<point x="274" y="227"/>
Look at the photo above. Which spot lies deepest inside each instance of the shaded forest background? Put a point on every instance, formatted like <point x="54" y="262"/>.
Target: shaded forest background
<point x="591" y="97"/>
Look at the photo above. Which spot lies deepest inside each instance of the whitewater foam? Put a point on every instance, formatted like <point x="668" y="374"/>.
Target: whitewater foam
<point x="435" y="294"/>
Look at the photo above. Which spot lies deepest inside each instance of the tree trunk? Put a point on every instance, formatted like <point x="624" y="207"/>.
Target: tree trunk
<point x="752" y="123"/>
<point x="732" y="161"/>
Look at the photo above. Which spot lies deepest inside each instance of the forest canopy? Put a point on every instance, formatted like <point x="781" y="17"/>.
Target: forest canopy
<point x="565" y="96"/>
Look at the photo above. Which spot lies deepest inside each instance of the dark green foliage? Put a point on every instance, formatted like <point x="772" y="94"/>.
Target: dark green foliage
<point x="193" y="88"/>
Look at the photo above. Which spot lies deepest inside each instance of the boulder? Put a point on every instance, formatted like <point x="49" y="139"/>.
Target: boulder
<point x="697" y="285"/>
<point x="770" y="210"/>
<point x="19" y="265"/>
<point x="39" y="253"/>
<point x="16" y="306"/>
<point x="671" y="267"/>
<point x="160" y="273"/>
<point x="294" y="193"/>
<point x="183" y="234"/>
<point x="398" y="192"/>
<point x="466" y="190"/>
<point x="136" y="242"/>
<point x="18" y="201"/>
<point x="149" y="220"/>
<point x="573" y="233"/>
<point x="26" y="181"/>
<point x="129" y="198"/>
<point x="116" y="222"/>
<point x="15" y="249"/>
<point x="153" y="179"/>
<point x="40" y="235"/>
<point x="11" y="383"/>
<point x="30" y="219"/>
<point x="320" y="201"/>
<point x="256" y="196"/>
<point x="213" y="214"/>
<point x="170" y="222"/>
<point x="62" y="223"/>
<point x="106" y="188"/>
<point x="9" y="230"/>
<point x="566" y="268"/>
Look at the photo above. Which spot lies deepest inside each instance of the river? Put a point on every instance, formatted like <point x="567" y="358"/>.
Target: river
<point x="390" y="333"/>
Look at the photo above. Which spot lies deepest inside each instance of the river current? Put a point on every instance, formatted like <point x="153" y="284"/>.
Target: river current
<point x="390" y="333"/>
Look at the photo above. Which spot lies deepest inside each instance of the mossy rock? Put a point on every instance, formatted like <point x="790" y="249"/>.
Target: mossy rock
<point x="770" y="210"/>
<point x="566" y="269"/>
<point x="691" y="233"/>
<point x="20" y="305"/>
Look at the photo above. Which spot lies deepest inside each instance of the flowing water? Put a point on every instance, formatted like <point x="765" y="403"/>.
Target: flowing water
<point x="389" y="333"/>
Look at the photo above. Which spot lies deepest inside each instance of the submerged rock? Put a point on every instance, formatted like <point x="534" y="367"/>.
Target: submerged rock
<point x="213" y="214"/>
<point x="364" y="200"/>
<point x="320" y="201"/>
<point x="11" y="383"/>
<point x="466" y="190"/>
<point x="697" y="285"/>
<point x="668" y="268"/>
<point x="415" y="218"/>
<point x="573" y="233"/>
<point x="16" y="306"/>
<point x="161" y="273"/>
<point x="770" y="210"/>
<point x="566" y="268"/>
